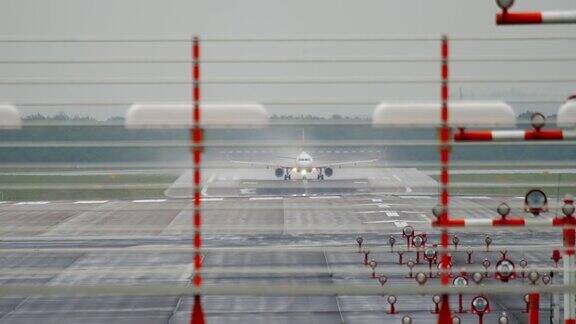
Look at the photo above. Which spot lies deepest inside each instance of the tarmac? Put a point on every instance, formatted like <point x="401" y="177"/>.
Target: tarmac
<point x="147" y="241"/>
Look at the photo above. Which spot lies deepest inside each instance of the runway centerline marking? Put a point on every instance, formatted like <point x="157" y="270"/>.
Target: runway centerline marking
<point x="148" y="200"/>
<point x="211" y="199"/>
<point x="377" y="200"/>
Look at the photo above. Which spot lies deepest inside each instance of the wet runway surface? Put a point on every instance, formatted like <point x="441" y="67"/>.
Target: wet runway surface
<point x="309" y="230"/>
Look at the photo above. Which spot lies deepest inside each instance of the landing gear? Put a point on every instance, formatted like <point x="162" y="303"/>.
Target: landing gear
<point x="287" y="175"/>
<point x="320" y="177"/>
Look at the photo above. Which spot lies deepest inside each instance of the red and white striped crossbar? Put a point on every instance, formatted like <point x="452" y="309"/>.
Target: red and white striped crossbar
<point x="503" y="222"/>
<point x="536" y="17"/>
<point x="514" y="135"/>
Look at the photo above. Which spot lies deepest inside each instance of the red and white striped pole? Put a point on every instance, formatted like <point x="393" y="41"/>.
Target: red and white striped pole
<point x="536" y="17"/>
<point x="514" y="135"/>
<point x="503" y="222"/>
<point x="533" y="308"/>
<point x="197" y="316"/>
<point x="569" y="238"/>
<point x="444" y="315"/>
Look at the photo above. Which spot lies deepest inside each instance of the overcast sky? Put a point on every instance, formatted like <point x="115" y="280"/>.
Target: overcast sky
<point x="274" y="18"/>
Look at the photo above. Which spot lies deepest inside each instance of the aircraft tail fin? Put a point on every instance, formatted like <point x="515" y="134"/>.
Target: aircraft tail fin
<point x="302" y="141"/>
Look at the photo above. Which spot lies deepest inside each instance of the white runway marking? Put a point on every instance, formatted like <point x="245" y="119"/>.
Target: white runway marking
<point x="405" y="223"/>
<point x="361" y="182"/>
<point x="4" y="202"/>
<point x="91" y="202"/>
<point x="250" y="182"/>
<point x="381" y="205"/>
<point x="391" y="213"/>
<point x="266" y="198"/>
<point x="326" y="197"/>
<point x="33" y="203"/>
<point x="400" y="224"/>
<point x="211" y="199"/>
<point x="377" y="200"/>
<point x="204" y="191"/>
<point x="148" y="200"/>
<point x="370" y="212"/>
<point x="415" y="197"/>
<point x="410" y="212"/>
<point x="477" y="197"/>
<point x="407" y="189"/>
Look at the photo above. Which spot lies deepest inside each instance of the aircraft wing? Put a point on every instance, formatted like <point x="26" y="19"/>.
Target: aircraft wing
<point x="258" y="163"/>
<point x="348" y="163"/>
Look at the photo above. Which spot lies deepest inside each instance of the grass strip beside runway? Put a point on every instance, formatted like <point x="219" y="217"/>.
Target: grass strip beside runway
<point x="44" y="192"/>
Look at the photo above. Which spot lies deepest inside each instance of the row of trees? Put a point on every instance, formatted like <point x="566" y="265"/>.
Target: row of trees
<point x="62" y="116"/>
<point x="106" y="135"/>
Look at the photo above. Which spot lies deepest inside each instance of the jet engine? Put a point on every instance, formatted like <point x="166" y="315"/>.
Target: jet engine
<point x="279" y="172"/>
<point x="328" y="172"/>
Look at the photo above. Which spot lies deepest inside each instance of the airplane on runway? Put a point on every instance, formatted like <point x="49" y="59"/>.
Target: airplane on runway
<point x="305" y="166"/>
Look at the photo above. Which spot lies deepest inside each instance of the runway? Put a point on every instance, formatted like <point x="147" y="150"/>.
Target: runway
<point x="243" y="182"/>
<point x="309" y="230"/>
